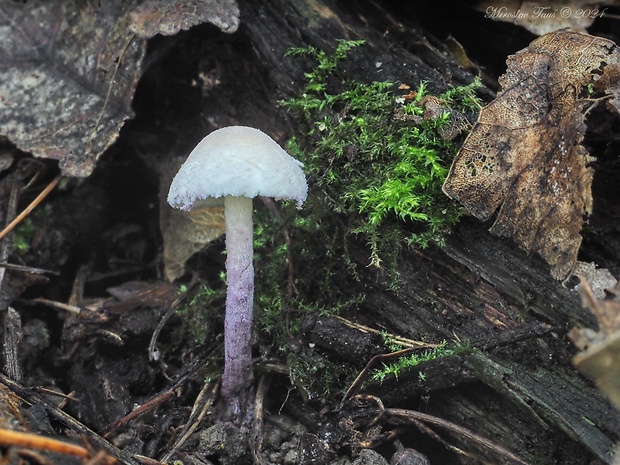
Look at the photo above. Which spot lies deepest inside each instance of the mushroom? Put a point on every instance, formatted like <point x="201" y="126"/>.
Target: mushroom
<point x="238" y="163"/>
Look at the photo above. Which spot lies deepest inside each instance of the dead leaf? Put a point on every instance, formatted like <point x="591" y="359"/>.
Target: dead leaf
<point x="434" y="108"/>
<point x="133" y="294"/>
<point x="167" y="17"/>
<point x="459" y="53"/>
<point x="541" y="17"/>
<point x="68" y="71"/>
<point x="609" y="84"/>
<point x="599" y="279"/>
<point x="185" y="233"/>
<point x="524" y="153"/>
<point x="600" y="356"/>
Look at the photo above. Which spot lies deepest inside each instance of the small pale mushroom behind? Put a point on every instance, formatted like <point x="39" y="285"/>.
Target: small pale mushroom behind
<point x="238" y="163"/>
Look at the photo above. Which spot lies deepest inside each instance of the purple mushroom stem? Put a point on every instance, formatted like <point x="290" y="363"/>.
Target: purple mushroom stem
<point x="237" y="378"/>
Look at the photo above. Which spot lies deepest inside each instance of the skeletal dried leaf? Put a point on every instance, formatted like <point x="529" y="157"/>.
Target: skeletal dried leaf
<point x="609" y="84"/>
<point x="600" y="356"/>
<point x="434" y="108"/>
<point x="524" y="153"/>
<point x="68" y="71"/>
<point x="168" y="17"/>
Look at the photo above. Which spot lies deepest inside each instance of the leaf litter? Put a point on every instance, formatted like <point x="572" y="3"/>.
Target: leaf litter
<point x="524" y="156"/>
<point x="168" y="17"/>
<point x="67" y="78"/>
<point x="69" y="70"/>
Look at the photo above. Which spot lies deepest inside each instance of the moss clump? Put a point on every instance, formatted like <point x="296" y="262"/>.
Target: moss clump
<point x="376" y="157"/>
<point x="375" y="164"/>
<point x="316" y="375"/>
<point x="197" y="312"/>
<point x="26" y="230"/>
<point x="298" y="272"/>
<point x="416" y="358"/>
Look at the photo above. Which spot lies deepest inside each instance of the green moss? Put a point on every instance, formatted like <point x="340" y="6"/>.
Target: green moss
<point x="25" y="231"/>
<point x="295" y="274"/>
<point x="197" y="312"/>
<point x="373" y="156"/>
<point x="390" y="343"/>
<point x="375" y="167"/>
<point x="316" y="375"/>
<point x="416" y="358"/>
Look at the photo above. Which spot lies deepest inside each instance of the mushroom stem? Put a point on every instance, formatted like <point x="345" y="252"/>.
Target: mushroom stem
<point x="237" y="378"/>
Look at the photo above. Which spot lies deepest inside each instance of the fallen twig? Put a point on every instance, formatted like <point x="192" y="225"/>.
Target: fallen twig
<point x="16" y="438"/>
<point x="401" y="416"/>
<point x="38" y="199"/>
<point x="33" y="397"/>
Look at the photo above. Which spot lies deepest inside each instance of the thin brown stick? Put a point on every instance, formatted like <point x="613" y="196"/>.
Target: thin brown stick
<point x="155" y="401"/>
<point x="16" y="438"/>
<point x="28" y="269"/>
<point x="201" y="406"/>
<point x="374" y="361"/>
<point x="153" y="352"/>
<point x="59" y="305"/>
<point x="39" y="198"/>
<point x="398" y="416"/>
<point x="144" y="408"/>
<point x="31" y="397"/>
<point x="362" y="374"/>
<point x="404" y="342"/>
<point x="259" y="416"/>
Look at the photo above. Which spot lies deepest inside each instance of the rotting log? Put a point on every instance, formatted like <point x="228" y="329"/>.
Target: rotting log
<point x="477" y="288"/>
<point x="521" y="387"/>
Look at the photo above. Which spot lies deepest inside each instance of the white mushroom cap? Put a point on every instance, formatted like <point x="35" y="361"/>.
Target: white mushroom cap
<point x="238" y="161"/>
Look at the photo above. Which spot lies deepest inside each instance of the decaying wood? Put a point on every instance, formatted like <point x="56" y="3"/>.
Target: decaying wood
<point x="477" y="288"/>
<point x="490" y="291"/>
